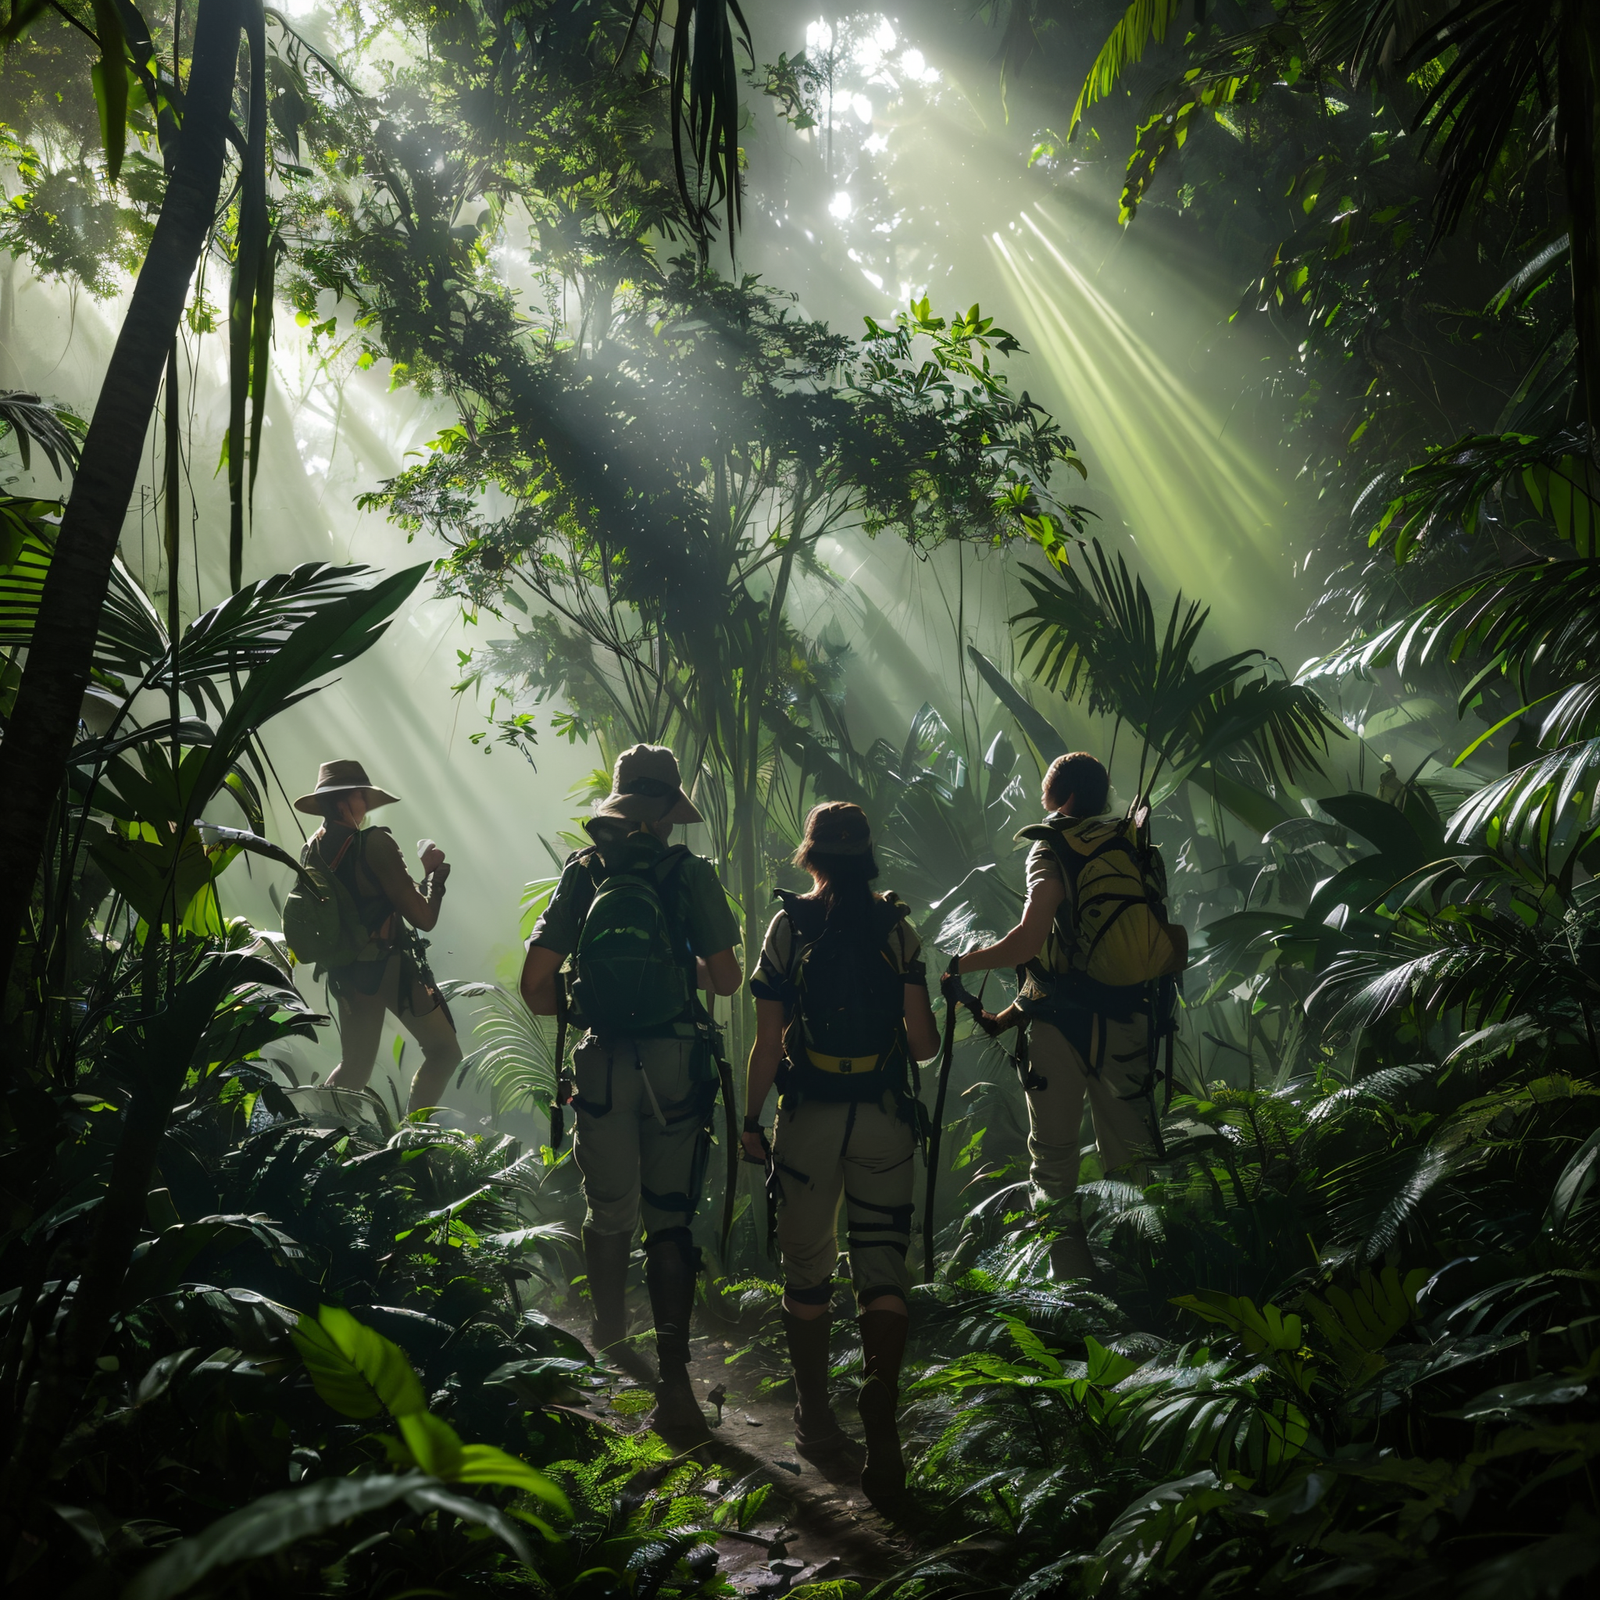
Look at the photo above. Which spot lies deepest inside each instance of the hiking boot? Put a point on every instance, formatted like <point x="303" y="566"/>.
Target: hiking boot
<point x="883" y="1348"/>
<point x="671" y="1265"/>
<point x="677" y="1416"/>
<point x="817" y="1434"/>
<point x="605" y="1257"/>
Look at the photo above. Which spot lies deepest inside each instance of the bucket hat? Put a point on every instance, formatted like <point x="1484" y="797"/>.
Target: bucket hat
<point x="646" y="787"/>
<point x="343" y="777"/>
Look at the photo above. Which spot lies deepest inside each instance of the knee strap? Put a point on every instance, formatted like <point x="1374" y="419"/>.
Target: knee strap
<point x="819" y="1294"/>
<point x="679" y="1239"/>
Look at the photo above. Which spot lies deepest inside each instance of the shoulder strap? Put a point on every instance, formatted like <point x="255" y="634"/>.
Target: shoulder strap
<point x="665" y="869"/>
<point x="588" y="858"/>
<point x="804" y="915"/>
<point x="1070" y="860"/>
<point x="901" y="909"/>
<point x="322" y="861"/>
<point x="888" y="912"/>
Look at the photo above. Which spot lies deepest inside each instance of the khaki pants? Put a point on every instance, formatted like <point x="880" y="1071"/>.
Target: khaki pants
<point x="863" y="1154"/>
<point x="1118" y="1101"/>
<point x="361" y="1027"/>
<point x="641" y="1140"/>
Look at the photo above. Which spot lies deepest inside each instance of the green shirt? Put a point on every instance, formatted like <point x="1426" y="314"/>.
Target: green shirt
<point x="702" y="908"/>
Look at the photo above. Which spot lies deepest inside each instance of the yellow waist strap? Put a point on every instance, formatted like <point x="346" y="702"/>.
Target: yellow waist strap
<point x="841" y="1064"/>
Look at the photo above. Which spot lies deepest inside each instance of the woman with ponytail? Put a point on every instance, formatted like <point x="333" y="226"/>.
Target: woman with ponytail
<point x="841" y="1011"/>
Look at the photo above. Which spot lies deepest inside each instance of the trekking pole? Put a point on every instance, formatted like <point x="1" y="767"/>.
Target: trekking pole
<point x="558" y="1121"/>
<point x="774" y="1192"/>
<point x="730" y="1130"/>
<point x="951" y="1010"/>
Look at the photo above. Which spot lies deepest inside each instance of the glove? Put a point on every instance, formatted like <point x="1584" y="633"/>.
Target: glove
<point x="950" y="982"/>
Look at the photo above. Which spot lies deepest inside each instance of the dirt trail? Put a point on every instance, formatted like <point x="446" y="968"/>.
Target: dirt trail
<point x="815" y="1527"/>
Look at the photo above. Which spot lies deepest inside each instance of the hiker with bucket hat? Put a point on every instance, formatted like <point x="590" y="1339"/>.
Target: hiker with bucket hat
<point x="634" y="930"/>
<point x="842" y="1016"/>
<point x="373" y="959"/>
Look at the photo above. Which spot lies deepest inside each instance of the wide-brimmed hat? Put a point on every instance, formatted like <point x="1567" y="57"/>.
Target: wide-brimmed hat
<point x="342" y="777"/>
<point x="646" y="787"/>
<point x="838" y="828"/>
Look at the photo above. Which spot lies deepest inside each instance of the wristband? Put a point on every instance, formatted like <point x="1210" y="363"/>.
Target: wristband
<point x="753" y="1125"/>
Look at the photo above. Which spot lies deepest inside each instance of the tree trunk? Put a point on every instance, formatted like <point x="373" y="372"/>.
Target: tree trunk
<point x="39" y="736"/>
<point x="1577" y="134"/>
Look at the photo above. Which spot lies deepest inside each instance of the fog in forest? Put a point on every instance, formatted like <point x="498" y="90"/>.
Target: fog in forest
<point x="1103" y="501"/>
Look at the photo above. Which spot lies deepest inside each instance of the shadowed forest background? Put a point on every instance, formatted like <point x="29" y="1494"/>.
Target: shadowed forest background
<point x="872" y="406"/>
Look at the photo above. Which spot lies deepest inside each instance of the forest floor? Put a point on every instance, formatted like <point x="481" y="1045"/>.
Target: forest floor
<point x="816" y="1526"/>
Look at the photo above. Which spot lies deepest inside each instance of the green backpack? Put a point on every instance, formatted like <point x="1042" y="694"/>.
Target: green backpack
<point x="631" y="972"/>
<point x="322" y="924"/>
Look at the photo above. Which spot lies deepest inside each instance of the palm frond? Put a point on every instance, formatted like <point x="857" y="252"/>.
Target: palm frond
<point x="1544" y="613"/>
<point x="47" y="424"/>
<point x="1125" y="45"/>
<point x="515" y="1051"/>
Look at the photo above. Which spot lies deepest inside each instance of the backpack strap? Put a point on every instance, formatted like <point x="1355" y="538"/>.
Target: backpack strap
<point x="665" y="872"/>
<point x="324" y="863"/>
<point x="1071" y="863"/>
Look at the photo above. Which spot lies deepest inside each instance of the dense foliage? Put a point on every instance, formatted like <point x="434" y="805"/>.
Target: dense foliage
<point x="1343" y="1331"/>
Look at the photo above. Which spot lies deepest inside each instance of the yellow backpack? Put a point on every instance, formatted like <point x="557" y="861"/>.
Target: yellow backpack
<point x="1112" y="923"/>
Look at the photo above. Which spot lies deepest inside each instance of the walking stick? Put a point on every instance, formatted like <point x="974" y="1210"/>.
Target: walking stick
<point x="712" y="1035"/>
<point x="730" y="1137"/>
<point x="946" y="1057"/>
<point x="558" y="1122"/>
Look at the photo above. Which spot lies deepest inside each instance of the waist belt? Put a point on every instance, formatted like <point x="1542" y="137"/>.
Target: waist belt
<point x="842" y="1065"/>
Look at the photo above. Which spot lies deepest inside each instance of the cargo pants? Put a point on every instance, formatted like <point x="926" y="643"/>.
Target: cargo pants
<point x="1119" y="1102"/>
<point x="402" y="993"/>
<point x="861" y="1153"/>
<point x="641" y="1138"/>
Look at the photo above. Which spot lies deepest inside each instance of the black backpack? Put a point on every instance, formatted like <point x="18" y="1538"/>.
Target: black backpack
<point x="849" y="1001"/>
<point x="632" y="973"/>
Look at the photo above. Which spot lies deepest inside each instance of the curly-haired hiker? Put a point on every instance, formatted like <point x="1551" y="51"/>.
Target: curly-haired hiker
<point x="841" y="1010"/>
<point x="635" y="929"/>
<point x="1097" y="958"/>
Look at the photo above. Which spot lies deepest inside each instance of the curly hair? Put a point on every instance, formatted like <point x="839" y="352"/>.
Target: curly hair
<point x="1082" y="777"/>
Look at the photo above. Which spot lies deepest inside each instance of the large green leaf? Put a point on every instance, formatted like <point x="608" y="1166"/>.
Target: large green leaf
<point x="355" y="1369"/>
<point x="273" y="1523"/>
<point x="1033" y="723"/>
<point x="436" y="1448"/>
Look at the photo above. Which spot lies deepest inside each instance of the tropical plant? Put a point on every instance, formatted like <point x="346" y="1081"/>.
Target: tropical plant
<point x="42" y="717"/>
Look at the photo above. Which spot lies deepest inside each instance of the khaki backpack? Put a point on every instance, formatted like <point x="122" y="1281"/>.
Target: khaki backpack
<point x="322" y="923"/>
<point x="1112" y="923"/>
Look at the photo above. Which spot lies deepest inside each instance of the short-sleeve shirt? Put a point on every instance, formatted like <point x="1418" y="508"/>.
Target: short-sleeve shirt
<point x="707" y="919"/>
<point x="1044" y="866"/>
<point x="774" y="976"/>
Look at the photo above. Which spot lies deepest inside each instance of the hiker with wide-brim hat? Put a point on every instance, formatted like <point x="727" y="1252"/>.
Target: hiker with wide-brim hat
<point x="841" y="1013"/>
<point x="1095" y="903"/>
<point x="389" y="972"/>
<point x="634" y="930"/>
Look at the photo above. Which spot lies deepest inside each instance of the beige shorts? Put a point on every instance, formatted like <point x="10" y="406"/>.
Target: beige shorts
<point x="862" y="1154"/>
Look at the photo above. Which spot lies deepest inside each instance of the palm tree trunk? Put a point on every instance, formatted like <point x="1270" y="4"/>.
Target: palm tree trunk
<point x="38" y="737"/>
<point x="1577" y="134"/>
